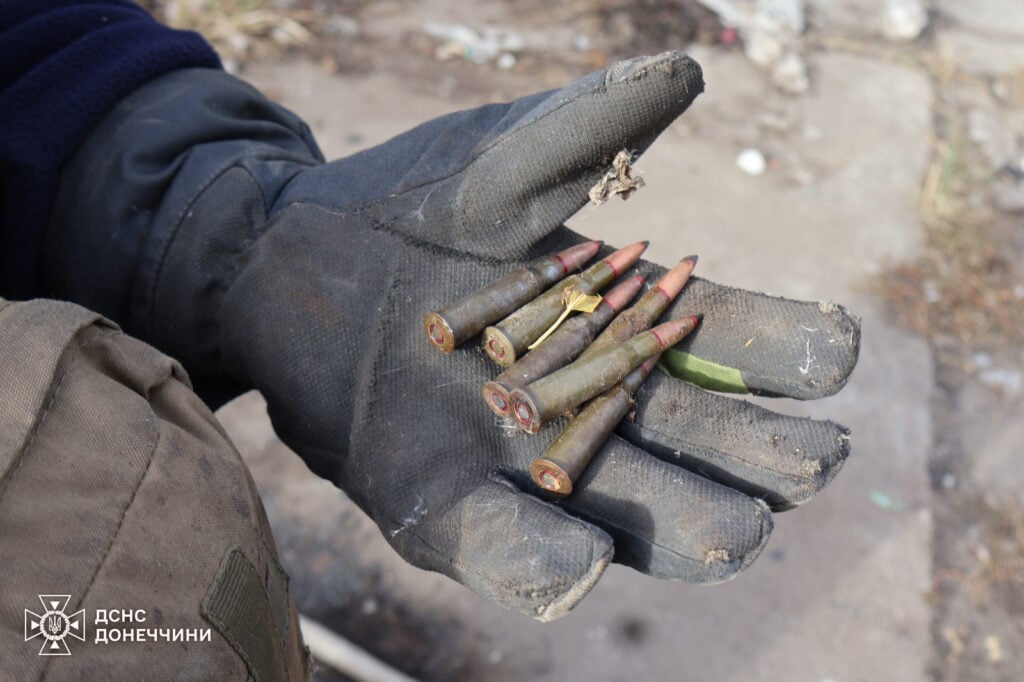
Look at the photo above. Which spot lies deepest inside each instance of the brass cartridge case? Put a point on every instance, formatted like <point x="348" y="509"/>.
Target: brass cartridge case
<point x="646" y="311"/>
<point x="574" y="384"/>
<point x="565" y="459"/>
<point x="507" y="340"/>
<point x="465" y="318"/>
<point x="559" y="349"/>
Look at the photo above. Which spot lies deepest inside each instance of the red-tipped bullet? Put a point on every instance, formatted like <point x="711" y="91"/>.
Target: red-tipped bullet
<point x="623" y="259"/>
<point x="466" y="317"/>
<point x="645" y="311"/>
<point x="574" y="384"/>
<point x="565" y="459"/>
<point x="574" y="257"/>
<point x="559" y="349"/>
<point x="673" y="281"/>
<point x="507" y="340"/>
<point x="619" y="296"/>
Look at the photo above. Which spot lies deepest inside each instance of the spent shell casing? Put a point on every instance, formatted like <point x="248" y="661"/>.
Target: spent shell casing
<point x="565" y="459"/>
<point x="505" y="341"/>
<point x="559" y="349"/>
<point x="465" y="318"/>
<point x="645" y="312"/>
<point x="574" y="384"/>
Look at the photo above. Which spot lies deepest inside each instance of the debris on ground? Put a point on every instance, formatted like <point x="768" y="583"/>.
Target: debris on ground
<point x="772" y="33"/>
<point x="489" y="44"/>
<point x="904" y="20"/>
<point x="883" y="500"/>
<point x="242" y="29"/>
<point x="751" y="161"/>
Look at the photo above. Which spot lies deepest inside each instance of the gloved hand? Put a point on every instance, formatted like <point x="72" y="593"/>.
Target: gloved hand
<point x="200" y="216"/>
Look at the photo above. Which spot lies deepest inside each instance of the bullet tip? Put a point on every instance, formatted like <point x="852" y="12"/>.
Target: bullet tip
<point x="622" y="294"/>
<point x="673" y="281"/>
<point x="672" y="332"/>
<point x="624" y="258"/>
<point x="575" y="256"/>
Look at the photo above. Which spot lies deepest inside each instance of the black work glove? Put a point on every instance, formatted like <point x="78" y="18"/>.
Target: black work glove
<point x="258" y="265"/>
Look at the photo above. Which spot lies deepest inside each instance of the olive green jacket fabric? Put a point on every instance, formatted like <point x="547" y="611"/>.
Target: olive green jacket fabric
<point x="119" y="490"/>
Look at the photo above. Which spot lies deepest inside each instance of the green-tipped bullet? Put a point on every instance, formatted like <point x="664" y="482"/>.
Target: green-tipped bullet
<point x="646" y="311"/>
<point x="507" y="340"/>
<point x="466" y="317"/>
<point x="574" y="384"/>
<point x="559" y="349"/>
<point x="565" y="459"/>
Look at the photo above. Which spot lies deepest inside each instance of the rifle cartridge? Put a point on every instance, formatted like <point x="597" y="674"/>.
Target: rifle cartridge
<point x="546" y="398"/>
<point x="559" y="349"/>
<point x="645" y="312"/>
<point x="505" y="341"/>
<point x="466" y="317"/>
<point x="565" y="459"/>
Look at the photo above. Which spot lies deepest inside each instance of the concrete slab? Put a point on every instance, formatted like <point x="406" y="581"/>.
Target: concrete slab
<point x="838" y="594"/>
<point x="839" y="200"/>
<point x="981" y="55"/>
<point x="992" y="436"/>
<point x="863" y="19"/>
<point x="993" y="17"/>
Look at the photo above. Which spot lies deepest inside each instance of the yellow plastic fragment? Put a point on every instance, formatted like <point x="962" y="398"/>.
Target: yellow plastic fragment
<point x="574" y="300"/>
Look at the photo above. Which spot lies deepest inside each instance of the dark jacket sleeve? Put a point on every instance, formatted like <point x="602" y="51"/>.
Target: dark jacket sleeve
<point x="63" y="65"/>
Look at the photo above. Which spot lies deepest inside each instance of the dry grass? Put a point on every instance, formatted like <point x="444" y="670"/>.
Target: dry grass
<point x="993" y="568"/>
<point x="967" y="285"/>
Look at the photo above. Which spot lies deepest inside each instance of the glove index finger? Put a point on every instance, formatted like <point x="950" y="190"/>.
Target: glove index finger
<point x="755" y="343"/>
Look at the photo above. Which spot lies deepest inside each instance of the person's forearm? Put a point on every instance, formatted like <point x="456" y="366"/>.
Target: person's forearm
<point x="63" y="66"/>
<point x="136" y="177"/>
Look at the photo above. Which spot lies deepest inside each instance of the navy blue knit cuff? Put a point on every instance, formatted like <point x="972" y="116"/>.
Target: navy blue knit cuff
<point x="63" y="65"/>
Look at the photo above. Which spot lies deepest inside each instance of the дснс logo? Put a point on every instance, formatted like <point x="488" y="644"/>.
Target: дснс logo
<point x="54" y="625"/>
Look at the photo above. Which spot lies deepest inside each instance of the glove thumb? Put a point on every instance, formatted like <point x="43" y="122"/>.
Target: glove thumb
<point x="493" y="181"/>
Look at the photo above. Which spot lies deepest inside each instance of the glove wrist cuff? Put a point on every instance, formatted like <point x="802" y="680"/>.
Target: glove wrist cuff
<point x="133" y="188"/>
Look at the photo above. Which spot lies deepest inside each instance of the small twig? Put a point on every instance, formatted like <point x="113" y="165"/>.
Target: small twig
<point x="333" y="650"/>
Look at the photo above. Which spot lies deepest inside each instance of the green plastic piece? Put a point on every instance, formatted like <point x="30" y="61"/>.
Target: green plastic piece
<point x="703" y="373"/>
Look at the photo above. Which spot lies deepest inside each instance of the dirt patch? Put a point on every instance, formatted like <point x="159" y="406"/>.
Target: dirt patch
<point x="552" y="43"/>
<point x="337" y="585"/>
<point x="977" y="592"/>
<point x="978" y="588"/>
<point x="967" y="284"/>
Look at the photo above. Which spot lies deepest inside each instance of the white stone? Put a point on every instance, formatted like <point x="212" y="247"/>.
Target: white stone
<point x="904" y="20"/>
<point x="752" y="162"/>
